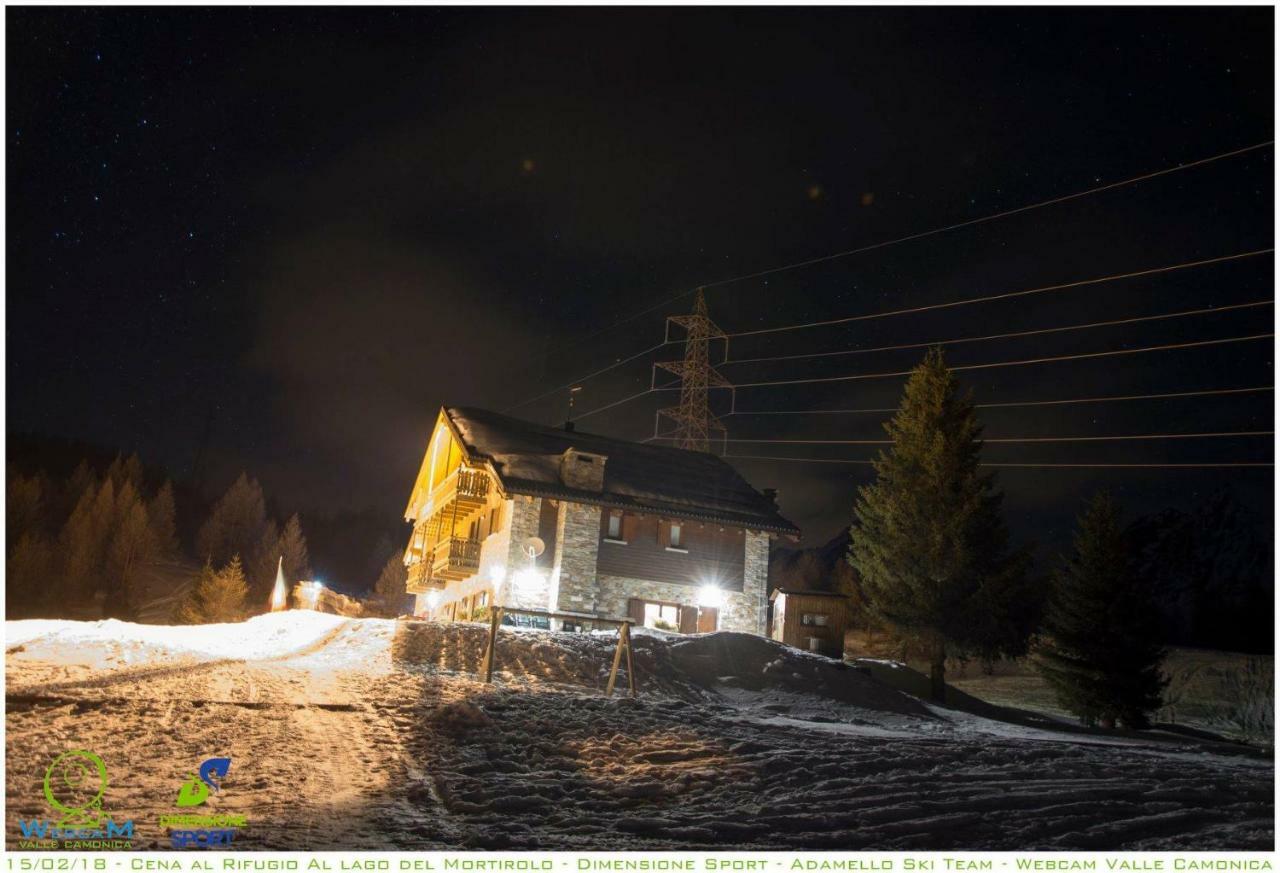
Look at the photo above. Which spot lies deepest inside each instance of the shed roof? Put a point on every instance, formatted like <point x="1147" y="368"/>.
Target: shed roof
<point x="804" y="592"/>
<point x="660" y="479"/>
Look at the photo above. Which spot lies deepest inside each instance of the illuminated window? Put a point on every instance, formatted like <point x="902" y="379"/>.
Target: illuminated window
<point x="615" y="525"/>
<point x="663" y="616"/>
<point x="675" y="537"/>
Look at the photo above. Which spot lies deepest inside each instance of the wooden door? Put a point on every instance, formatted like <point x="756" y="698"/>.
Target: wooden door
<point x="688" y="619"/>
<point x="708" y="619"/>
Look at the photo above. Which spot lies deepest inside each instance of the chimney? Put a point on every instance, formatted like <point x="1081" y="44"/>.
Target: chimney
<point x="770" y="494"/>
<point x="568" y="426"/>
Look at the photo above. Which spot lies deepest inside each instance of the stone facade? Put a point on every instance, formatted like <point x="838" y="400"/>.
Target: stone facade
<point x="746" y="611"/>
<point x="756" y="582"/>
<point x="578" y="543"/>
<point x="525" y="586"/>
<point x="571" y="583"/>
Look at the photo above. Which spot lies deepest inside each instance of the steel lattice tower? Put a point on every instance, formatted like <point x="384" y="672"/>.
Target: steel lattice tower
<point x="693" y="419"/>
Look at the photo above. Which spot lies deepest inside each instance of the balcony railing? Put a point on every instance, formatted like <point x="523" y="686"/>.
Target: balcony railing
<point x="420" y="579"/>
<point x="455" y="558"/>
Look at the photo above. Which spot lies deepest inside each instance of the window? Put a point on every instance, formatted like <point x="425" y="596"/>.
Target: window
<point x="482" y="600"/>
<point x="662" y="616"/>
<point x="675" y="536"/>
<point x="615" y="526"/>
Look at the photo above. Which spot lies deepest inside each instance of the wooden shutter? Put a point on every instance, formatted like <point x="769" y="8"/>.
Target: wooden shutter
<point x="708" y="619"/>
<point x="664" y="533"/>
<point x="629" y="522"/>
<point x="688" y="619"/>
<point x="635" y="611"/>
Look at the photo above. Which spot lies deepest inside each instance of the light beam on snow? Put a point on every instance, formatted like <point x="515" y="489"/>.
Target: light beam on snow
<point x="279" y="592"/>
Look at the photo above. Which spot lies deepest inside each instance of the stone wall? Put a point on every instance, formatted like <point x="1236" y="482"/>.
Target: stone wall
<point x="572" y="584"/>
<point x="578" y="538"/>
<point x="746" y="611"/>
<point x="526" y="586"/>
<point x="755" y="583"/>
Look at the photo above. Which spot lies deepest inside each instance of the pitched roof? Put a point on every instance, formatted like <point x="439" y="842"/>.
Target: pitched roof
<point x="676" y="482"/>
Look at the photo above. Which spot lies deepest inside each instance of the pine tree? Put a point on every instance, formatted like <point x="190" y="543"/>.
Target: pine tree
<point x="929" y="542"/>
<point x="1101" y="654"/>
<point x="132" y="547"/>
<point x="125" y="470"/>
<point x="83" y="542"/>
<point x="236" y="524"/>
<point x="30" y="575"/>
<point x="26" y="505"/>
<point x="217" y="596"/>
<point x="293" y="548"/>
<point x="262" y="564"/>
<point x="163" y="516"/>
<point x="389" y="589"/>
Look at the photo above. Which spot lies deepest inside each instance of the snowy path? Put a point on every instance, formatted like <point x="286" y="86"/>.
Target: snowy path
<point x="365" y="734"/>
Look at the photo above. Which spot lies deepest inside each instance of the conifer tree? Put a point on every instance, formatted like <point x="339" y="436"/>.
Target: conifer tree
<point x="131" y="548"/>
<point x="83" y="541"/>
<point x="26" y="505"/>
<point x="293" y="548"/>
<point x="236" y="524"/>
<point x="1101" y="654"/>
<point x="217" y="596"/>
<point x="929" y="542"/>
<point x="389" y="589"/>
<point x="260" y="570"/>
<point x="163" y="516"/>
<point x="30" y="576"/>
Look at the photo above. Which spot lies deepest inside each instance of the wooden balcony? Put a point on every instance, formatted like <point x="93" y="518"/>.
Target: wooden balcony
<point x="454" y="558"/>
<point x="463" y="493"/>
<point x="420" y="579"/>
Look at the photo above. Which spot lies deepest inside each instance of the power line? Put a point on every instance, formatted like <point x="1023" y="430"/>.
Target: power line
<point x="886" y="243"/>
<point x="1004" y="296"/>
<point x="1000" y="464"/>
<point x="810" y="262"/>
<point x="1066" y="439"/>
<point x="601" y="371"/>
<point x="1027" y="361"/>
<point x="1017" y="403"/>
<point x="1013" y="334"/>
<point x="600" y="409"/>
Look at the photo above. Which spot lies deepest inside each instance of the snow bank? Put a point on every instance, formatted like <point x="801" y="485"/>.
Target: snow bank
<point x="113" y="643"/>
<point x="689" y="667"/>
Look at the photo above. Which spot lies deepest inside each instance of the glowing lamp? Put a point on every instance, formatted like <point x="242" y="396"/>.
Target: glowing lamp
<point x="710" y="596"/>
<point x="523" y="580"/>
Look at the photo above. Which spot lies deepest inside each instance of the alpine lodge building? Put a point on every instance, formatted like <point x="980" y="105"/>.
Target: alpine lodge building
<point x="550" y="519"/>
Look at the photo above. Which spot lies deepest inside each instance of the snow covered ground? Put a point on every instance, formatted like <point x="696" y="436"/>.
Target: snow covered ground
<point x="369" y="733"/>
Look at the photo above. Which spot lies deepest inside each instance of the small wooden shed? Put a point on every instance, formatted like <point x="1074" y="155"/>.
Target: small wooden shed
<point x="811" y="620"/>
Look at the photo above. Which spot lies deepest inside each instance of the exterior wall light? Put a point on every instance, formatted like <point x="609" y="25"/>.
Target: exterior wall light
<point x="710" y="595"/>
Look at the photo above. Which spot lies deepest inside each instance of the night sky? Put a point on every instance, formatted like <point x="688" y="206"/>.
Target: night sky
<point x="278" y="239"/>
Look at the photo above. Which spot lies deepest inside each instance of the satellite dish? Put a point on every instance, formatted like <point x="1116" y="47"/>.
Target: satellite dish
<point x="532" y="547"/>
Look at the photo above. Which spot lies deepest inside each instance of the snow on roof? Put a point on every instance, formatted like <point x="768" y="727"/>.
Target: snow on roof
<point x="678" y="482"/>
<point x="805" y="592"/>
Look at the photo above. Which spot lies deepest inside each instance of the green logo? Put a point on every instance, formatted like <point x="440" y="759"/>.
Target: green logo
<point x="193" y="792"/>
<point x="196" y="791"/>
<point x="74" y="785"/>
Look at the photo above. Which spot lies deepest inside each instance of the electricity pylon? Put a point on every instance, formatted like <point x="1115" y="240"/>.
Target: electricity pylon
<point x="693" y="419"/>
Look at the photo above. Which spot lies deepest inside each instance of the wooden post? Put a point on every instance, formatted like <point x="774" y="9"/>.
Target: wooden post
<point x="491" y="652"/>
<point x="631" y="673"/>
<point x="617" y="657"/>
